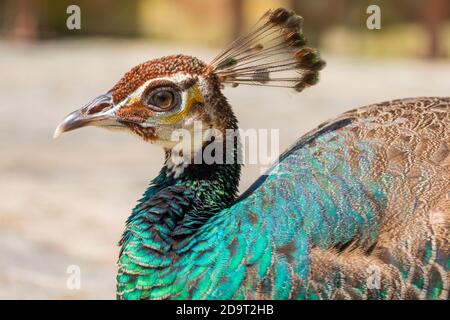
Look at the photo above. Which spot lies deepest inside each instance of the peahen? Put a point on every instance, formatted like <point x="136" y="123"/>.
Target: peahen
<point x="358" y="208"/>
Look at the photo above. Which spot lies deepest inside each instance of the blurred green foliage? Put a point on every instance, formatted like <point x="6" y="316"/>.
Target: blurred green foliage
<point x="99" y="17"/>
<point x="337" y="25"/>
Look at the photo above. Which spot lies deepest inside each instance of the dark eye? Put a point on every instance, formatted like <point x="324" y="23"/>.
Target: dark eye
<point x="162" y="99"/>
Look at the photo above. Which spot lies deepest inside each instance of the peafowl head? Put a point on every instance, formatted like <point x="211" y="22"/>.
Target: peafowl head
<point x="157" y="97"/>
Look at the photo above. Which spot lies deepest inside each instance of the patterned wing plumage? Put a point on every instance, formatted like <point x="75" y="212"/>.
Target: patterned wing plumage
<point x="358" y="208"/>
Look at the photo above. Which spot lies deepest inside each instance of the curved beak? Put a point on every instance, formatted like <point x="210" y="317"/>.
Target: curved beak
<point x="99" y="112"/>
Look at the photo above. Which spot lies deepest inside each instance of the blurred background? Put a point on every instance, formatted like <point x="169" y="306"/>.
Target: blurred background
<point x="64" y="202"/>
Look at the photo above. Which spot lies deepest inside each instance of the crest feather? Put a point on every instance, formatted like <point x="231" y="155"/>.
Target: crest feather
<point x="273" y="53"/>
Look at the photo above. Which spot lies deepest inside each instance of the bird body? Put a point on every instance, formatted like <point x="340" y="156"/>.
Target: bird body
<point x="358" y="208"/>
<point x="365" y="193"/>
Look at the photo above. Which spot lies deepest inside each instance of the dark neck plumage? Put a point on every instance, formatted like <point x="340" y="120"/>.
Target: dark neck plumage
<point x="172" y="210"/>
<point x="168" y="215"/>
<point x="174" y="207"/>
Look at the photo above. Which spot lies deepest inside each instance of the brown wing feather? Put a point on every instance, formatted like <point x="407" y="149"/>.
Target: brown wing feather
<point x="411" y="256"/>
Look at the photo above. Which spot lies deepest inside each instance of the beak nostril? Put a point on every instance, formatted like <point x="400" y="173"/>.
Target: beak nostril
<point x="98" y="108"/>
<point x="96" y="113"/>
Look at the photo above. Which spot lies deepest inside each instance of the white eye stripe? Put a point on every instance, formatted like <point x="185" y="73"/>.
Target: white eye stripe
<point x="139" y="92"/>
<point x="176" y="79"/>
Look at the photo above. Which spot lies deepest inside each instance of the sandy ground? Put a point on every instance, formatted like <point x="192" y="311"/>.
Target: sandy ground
<point x="64" y="202"/>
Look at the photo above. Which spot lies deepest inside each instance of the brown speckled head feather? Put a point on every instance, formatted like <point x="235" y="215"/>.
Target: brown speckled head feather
<point x="166" y="66"/>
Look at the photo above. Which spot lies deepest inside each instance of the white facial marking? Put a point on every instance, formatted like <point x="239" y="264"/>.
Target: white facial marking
<point x="137" y="94"/>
